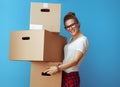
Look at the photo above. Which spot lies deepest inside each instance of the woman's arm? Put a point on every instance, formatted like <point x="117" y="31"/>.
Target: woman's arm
<point x="74" y="62"/>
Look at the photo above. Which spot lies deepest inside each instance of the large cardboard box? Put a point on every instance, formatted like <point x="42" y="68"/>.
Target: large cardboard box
<point x="36" y="45"/>
<point x="45" y="16"/>
<point x="39" y="80"/>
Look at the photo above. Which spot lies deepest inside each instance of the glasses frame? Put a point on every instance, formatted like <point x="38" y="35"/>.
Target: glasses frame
<point x="67" y="27"/>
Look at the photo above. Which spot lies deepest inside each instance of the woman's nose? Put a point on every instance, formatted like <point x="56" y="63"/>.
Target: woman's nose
<point x="70" y="28"/>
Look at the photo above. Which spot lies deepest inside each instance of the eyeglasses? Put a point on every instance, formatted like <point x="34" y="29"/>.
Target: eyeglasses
<point x="72" y="25"/>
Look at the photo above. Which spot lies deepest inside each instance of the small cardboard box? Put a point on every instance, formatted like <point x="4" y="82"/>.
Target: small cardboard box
<point x="36" y="45"/>
<point x="45" y="16"/>
<point x="37" y="79"/>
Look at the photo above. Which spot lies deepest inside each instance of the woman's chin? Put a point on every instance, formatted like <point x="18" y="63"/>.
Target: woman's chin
<point x="73" y="33"/>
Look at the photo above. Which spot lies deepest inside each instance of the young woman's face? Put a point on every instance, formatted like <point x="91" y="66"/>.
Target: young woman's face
<point x="72" y="26"/>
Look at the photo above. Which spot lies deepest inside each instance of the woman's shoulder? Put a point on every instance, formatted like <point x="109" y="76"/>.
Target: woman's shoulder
<point x="83" y="38"/>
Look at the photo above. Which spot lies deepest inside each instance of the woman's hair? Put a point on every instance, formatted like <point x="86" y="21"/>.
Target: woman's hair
<point x="70" y="15"/>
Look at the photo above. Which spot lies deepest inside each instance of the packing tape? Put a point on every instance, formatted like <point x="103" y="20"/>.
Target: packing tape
<point x="36" y="26"/>
<point x="45" y="5"/>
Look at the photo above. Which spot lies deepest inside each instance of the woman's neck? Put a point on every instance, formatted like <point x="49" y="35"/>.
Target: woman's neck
<point x="79" y="34"/>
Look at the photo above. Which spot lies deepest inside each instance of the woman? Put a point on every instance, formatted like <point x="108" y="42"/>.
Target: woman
<point x="74" y="52"/>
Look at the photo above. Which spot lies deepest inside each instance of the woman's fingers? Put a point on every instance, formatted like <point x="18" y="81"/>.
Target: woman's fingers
<point x="51" y="70"/>
<point x="47" y="70"/>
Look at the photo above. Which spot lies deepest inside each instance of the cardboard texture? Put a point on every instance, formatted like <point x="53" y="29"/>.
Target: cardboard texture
<point x="36" y="45"/>
<point x="38" y="80"/>
<point x="45" y="16"/>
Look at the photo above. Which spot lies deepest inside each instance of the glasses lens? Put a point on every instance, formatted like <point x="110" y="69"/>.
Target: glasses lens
<point x="70" y="25"/>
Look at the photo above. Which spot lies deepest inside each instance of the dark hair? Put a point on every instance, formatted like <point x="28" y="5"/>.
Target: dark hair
<point x="70" y="15"/>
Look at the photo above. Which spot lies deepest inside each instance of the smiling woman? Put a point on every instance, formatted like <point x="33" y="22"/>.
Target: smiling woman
<point x="74" y="52"/>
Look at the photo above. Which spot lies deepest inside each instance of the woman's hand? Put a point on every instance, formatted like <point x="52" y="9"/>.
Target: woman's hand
<point x="52" y="70"/>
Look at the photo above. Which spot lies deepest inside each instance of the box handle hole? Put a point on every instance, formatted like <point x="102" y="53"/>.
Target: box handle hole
<point x="25" y="38"/>
<point x="45" y="10"/>
<point x="45" y="74"/>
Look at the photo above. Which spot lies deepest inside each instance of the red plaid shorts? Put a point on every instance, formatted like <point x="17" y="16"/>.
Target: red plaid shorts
<point x="70" y="79"/>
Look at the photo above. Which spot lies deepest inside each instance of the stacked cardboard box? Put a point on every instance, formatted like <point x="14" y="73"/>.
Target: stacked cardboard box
<point x="42" y="45"/>
<point x="45" y="16"/>
<point x="42" y="80"/>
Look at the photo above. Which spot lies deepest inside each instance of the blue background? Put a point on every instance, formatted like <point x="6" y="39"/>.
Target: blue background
<point x="100" y="22"/>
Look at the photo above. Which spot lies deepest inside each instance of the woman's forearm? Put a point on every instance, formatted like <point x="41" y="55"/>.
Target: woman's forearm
<point x="67" y="65"/>
<point x="71" y="63"/>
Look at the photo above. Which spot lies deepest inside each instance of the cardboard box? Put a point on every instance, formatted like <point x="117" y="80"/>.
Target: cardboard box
<point x="36" y="45"/>
<point x="39" y="80"/>
<point x="45" y="16"/>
